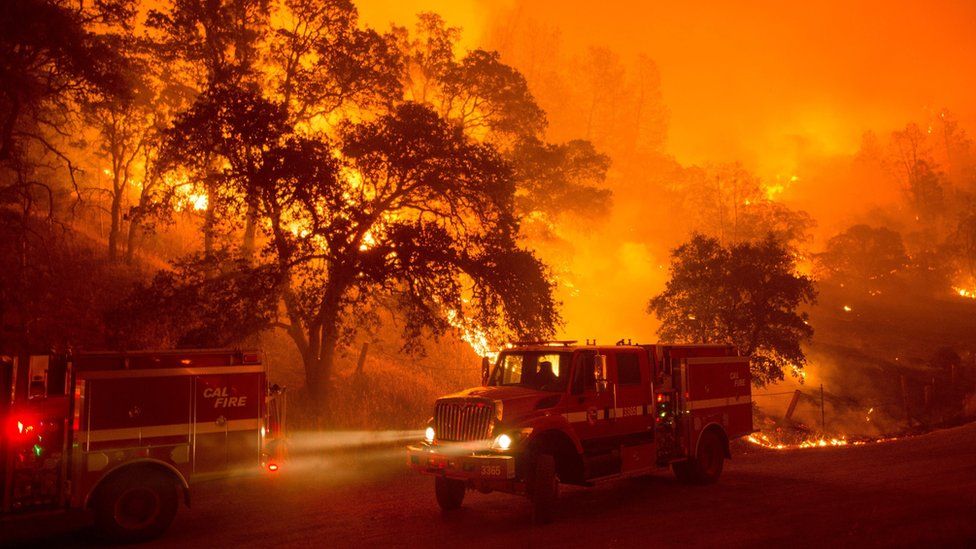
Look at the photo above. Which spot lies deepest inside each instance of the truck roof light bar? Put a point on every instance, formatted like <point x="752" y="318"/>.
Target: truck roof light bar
<point x="549" y="342"/>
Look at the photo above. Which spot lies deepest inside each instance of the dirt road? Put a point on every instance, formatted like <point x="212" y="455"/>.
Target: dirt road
<point x="917" y="491"/>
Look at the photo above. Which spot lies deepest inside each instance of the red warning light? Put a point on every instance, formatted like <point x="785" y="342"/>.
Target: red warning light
<point x="22" y="428"/>
<point x="272" y="467"/>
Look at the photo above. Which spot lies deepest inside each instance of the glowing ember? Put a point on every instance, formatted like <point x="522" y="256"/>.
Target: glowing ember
<point x="188" y="197"/>
<point x="847" y="308"/>
<point x="798" y="372"/>
<point x="965" y="292"/>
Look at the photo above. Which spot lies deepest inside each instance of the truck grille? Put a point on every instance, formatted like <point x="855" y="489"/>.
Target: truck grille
<point x="462" y="420"/>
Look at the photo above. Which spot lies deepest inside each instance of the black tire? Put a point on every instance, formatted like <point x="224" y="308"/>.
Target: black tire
<point x="135" y="505"/>
<point x="683" y="471"/>
<point x="450" y="493"/>
<point x="706" y="467"/>
<point x="544" y="489"/>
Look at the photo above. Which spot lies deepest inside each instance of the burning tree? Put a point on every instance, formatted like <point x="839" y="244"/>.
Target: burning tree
<point x="746" y="294"/>
<point x="862" y="254"/>
<point x="734" y="205"/>
<point x="404" y="205"/>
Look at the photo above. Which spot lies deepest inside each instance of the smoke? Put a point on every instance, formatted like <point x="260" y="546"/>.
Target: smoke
<point x="759" y="83"/>
<point x="832" y="401"/>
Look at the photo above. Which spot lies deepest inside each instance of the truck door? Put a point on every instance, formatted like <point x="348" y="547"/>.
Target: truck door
<point x="630" y="381"/>
<point x="228" y="421"/>
<point x="592" y="409"/>
<point x="633" y="423"/>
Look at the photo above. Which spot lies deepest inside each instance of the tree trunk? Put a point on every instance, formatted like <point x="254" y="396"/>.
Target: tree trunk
<point x="327" y="350"/>
<point x="116" y="228"/>
<point x="210" y="215"/>
<point x="250" y="231"/>
<point x="131" y="239"/>
<point x="318" y="371"/>
<point x="324" y="342"/>
<point x="312" y="371"/>
<point x="7" y="134"/>
<point x="209" y="226"/>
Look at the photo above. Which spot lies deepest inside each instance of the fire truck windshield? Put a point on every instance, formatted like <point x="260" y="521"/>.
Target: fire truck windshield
<point x="542" y="370"/>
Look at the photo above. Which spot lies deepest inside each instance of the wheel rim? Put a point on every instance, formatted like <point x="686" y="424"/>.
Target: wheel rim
<point x="137" y="508"/>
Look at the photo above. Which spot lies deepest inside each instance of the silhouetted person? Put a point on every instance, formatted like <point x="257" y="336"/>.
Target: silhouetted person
<point x="546" y="377"/>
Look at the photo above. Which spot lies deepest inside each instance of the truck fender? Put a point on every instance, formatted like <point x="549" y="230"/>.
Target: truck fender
<point x="144" y="462"/>
<point x="713" y="426"/>
<point x="558" y="423"/>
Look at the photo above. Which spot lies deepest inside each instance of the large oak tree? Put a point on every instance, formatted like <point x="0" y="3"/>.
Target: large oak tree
<point x="747" y="294"/>
<point x="404" y="206"/>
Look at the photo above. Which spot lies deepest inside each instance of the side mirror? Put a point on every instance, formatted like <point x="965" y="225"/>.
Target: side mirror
<point x="485" y="370"/>
<point x="600" y="373"/>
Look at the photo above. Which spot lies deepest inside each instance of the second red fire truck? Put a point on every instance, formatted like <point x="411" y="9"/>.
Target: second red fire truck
<point x="557" y="412"/>
<point x="122" y="435"/>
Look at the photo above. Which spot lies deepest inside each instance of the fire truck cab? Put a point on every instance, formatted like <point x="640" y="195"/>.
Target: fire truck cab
<point x="557" y="412"/>
<point x="122" y="435"/>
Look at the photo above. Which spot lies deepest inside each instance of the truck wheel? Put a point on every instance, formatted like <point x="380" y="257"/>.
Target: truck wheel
<point x="450" y="492"/>
<point x="135" y="505"/>
<point x="706" y="467"/>
<point x="544" y="489"/>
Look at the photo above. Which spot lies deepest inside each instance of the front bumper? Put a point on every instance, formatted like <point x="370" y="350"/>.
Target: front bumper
<point x="457" y="464"/>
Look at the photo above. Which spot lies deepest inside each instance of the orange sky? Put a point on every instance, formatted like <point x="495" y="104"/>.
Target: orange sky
<point x="754" y="81"/>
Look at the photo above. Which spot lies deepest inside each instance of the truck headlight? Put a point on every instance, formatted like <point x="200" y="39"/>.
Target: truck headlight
<point x="503" y="442"/>
<point x="429" y="434"/>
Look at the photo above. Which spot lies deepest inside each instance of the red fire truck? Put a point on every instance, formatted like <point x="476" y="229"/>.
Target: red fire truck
<point x="557" y="412"/>
<point x="122" y="435"/>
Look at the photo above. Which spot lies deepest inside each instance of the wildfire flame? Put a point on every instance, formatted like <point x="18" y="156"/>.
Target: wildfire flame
<point x="471" y="335"/>
<point x="765" y="441"/>
<point x="761" y="439"/>
<point x="798" y="372"/>
<point x="188" y="197"/>
<point x="198" y="201"/>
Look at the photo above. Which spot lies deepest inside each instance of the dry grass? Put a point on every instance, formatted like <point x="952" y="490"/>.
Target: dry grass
<point x="393" y="391"/>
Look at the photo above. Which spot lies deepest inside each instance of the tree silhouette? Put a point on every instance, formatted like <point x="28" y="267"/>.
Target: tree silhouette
<point x="48" y="58"/>
<point x="51" y="60"/>
<point x="325" y="61"/>
<point x="558" y="178"/>
<point x="409" y="207"/>
<point x="729" y="202"/>
<point x="491" y="101"/>
<point x="213" y="44"/>
<point x="482" y="94"/>
<point x="862" y="254"/>
<point x="746" y="294"/>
